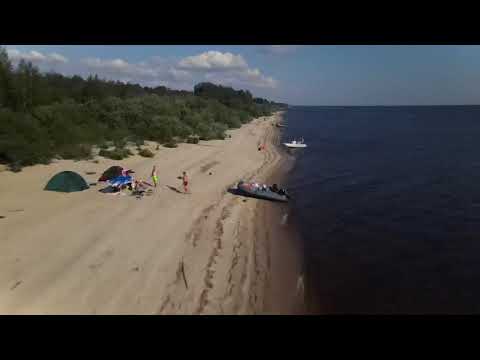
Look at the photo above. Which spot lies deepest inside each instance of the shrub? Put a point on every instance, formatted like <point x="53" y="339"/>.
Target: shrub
<point x="146" y="153"/>
<point x="116" y="154"/>
<point x="218" y="131"/>
<point x="119" y="143"/>
<point x="76" y="151"/>
<point x="104" y="153"/>
<point x="205" y="132"/>
<point x="193" y="139"/>
<point x="15" y="167"/>
<point x="171" y="144"/>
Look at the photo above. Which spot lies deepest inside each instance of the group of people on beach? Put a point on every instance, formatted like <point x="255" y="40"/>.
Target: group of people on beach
<point x="140" y="186"/>
<point x="263" y="187"/>
<point x="259" y="187"/>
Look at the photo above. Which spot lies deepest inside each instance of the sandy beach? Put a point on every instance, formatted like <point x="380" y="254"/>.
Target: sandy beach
<point x="208" y="252"/>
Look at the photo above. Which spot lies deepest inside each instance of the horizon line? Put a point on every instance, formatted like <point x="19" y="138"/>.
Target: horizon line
<point x="382" y="105"/>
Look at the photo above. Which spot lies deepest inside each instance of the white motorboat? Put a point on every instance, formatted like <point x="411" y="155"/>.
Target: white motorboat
<point x="296" y="144"/>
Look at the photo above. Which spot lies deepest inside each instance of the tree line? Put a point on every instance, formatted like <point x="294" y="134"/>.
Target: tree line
<point x="49" y="115"/>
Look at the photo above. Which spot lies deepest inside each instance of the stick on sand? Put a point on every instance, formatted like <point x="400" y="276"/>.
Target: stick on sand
<point x="183" y="273"/>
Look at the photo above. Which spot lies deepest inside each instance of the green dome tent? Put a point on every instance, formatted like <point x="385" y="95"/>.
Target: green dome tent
<point x="67" y="181"/>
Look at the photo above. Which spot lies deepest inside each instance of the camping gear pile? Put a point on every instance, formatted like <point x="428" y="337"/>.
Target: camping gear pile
<point x="119" y="178"/>
<point x="116" y="177"/>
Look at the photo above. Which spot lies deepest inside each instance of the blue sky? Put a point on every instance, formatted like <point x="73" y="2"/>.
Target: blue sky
<point x="298" y="75"/>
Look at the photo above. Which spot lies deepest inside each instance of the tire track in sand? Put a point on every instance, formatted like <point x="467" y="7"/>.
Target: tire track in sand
<point x="197" y="231"/>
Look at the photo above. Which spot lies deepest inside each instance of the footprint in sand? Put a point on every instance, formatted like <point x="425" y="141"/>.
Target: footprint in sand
<point x="16" y="285"/>
<point x="104" y="256"/>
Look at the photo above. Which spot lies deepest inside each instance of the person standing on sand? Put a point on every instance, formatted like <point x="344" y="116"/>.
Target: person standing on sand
<point x="154" y="176"/>
<point x="185" y="182"/>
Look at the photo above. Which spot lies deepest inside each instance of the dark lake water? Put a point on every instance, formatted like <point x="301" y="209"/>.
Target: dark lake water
<point x="388" y="203"/>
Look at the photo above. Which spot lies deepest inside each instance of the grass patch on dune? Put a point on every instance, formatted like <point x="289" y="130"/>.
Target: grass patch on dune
<point x="116" y="154"/>
<point x="146" y="153"/>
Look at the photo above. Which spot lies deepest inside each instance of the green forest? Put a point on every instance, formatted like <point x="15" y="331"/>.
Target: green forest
<point x="48" y="115"/>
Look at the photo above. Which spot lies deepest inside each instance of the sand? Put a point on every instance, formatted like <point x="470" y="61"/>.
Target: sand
<point x="208" y="252"/>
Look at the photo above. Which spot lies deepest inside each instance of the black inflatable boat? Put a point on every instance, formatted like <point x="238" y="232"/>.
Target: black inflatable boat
<point x="250" y="189"/>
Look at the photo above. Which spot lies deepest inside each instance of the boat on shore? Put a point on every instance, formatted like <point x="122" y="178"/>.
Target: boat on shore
<point x="296" y="144"/>
<point x="262" y="192"/>
<point x="280" y="125"/>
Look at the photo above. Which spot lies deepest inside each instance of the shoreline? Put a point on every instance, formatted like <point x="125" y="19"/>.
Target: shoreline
<point x="285" y="292"/>
<point x="205" y="253"/>
<point x="286" y="288"/>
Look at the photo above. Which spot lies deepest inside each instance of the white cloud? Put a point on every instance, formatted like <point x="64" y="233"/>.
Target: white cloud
<point x="260" y="80"/>
<point x="114" y="64"/>
<point x="58" y="58"/>
<point x="179" y="75"/>
<point x="115" y="68"/>
<point x="226" y="68"/>
<point x="222" y="68"/>
<point x="248" y="78"/>
<point x="214" y="66"/>
<point x="36" y="56"/>
<point x="17" y="55"/>
<point x="213" y="61"/>
<point x="152" y="72"/>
